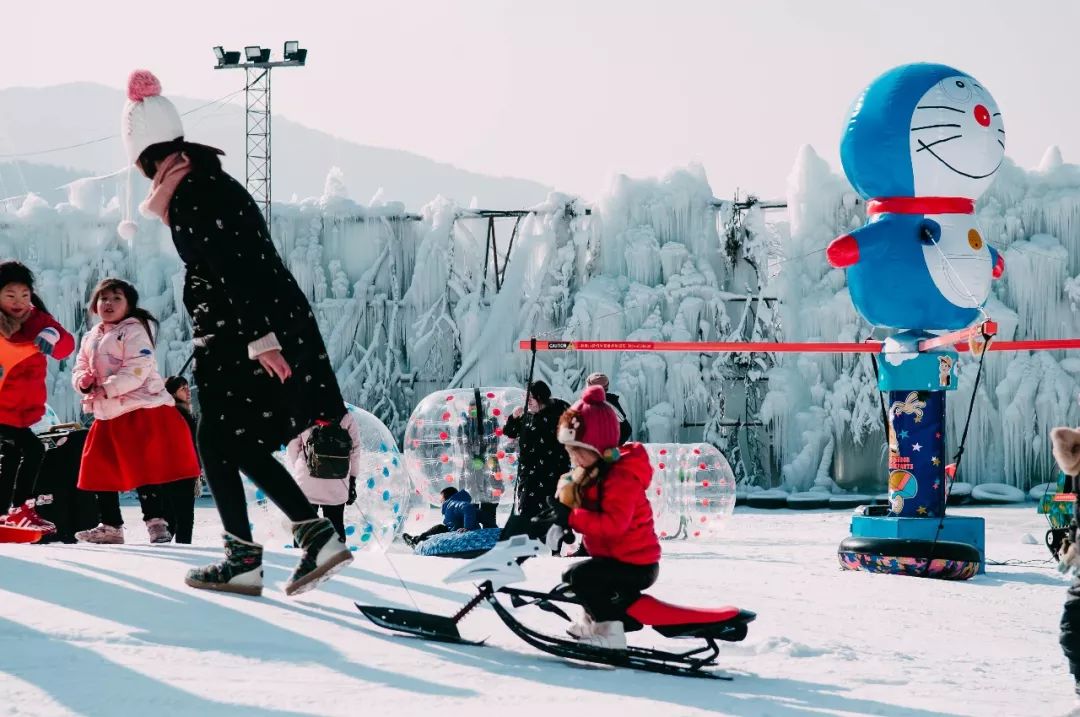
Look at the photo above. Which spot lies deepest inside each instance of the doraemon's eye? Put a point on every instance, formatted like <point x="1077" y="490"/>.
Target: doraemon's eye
<point x="957" y="90"/>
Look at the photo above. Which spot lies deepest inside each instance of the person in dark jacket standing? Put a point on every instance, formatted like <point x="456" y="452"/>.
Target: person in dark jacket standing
<point x="260" y="362"/>
<point x="541" y="460"/>
<point x="1066" y="448"/>
<point x="625" y="429"/>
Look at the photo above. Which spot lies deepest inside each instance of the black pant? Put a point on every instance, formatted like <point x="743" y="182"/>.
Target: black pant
<point x="607" y="587"/>
<point x="108" y="503"/>
<point x="485" y="515"/>
<point x="223" y="458"/>
<point x="437" y="529"/>
<point x="174" y="503"/>
<point x="336" y="515"/>
<point x="521" y="524"/>
<point x="20" y="461"/>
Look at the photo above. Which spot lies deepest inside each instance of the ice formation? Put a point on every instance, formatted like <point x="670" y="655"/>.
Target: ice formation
<point x="412" y="303"/>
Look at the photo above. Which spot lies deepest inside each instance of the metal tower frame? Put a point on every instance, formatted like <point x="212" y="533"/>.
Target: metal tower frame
<point x="257" y="112"/>
<point x="257" y="126"/>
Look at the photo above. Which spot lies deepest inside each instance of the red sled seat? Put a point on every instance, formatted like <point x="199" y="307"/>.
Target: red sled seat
<point x="725" y="623"/>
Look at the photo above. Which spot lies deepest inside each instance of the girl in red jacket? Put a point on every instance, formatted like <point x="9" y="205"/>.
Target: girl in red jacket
<point x="604" y="500"/>
<point x="24" y="322"/>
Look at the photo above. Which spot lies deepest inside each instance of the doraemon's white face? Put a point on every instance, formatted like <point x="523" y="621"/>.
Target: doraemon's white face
<point x="957" y="139"/>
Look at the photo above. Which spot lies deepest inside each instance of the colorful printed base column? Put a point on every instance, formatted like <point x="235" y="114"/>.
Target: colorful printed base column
<point x="916" y="453"/>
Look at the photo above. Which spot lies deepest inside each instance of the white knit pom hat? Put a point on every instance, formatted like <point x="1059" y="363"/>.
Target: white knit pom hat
<point x="148" y="118"/>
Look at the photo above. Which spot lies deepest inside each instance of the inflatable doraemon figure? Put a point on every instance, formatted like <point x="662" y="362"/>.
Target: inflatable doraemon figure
<point x="921" y="144"/>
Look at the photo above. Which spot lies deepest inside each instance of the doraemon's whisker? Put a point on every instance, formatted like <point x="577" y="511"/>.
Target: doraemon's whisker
<point x="924" y="145"/>
<point x="932" y="126"/>
<point x="996" y="114"/>
<point x="1001" y="143"/>
<point x="940" y="107"/>
<point x="1002" y="131"/>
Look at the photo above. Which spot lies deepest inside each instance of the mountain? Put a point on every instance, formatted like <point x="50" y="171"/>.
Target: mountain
<point x="44" y="118"/>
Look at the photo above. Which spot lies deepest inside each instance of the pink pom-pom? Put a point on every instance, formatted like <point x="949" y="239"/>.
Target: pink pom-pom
<point x="142" y="84"/>
<point x="594" y="394"/>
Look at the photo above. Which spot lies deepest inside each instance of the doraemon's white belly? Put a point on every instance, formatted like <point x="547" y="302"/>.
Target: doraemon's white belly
<point x="960" y="262"/>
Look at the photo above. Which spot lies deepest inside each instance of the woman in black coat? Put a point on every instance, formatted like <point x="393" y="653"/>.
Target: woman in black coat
<point x="260" y="362"/>
<point x="541" y="458"/>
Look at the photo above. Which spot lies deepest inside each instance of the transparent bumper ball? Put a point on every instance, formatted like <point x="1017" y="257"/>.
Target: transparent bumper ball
<point x="666" y="493"/>
<point x="455" y="438"/>
<point x="709" y="484"/>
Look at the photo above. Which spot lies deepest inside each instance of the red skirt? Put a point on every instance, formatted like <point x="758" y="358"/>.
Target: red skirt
<point x="147" y="446"/>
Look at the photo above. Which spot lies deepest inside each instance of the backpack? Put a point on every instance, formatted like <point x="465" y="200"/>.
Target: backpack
<point x="328" y="449"/>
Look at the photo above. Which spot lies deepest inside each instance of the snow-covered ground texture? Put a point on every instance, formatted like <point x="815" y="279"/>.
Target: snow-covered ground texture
<point x="412" y="303"/>
<point x="107" y="630"/>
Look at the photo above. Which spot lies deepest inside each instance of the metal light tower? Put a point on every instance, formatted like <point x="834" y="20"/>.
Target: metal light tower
<point x="257" y="93"/>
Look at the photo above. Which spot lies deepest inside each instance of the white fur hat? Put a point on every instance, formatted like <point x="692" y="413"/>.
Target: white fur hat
<point x="148" y="118"/>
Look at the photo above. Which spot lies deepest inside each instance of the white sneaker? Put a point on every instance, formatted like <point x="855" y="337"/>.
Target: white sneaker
<point x="609" y="635"/>
<point x="585" y="627"/>
<point x="102" y="535"/>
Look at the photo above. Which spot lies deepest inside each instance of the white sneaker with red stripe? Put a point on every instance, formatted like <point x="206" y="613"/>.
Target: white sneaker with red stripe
<point x="25" y="516"/>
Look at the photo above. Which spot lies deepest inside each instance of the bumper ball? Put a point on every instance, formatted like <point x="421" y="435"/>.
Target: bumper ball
<point x="693" y="490"/>
<point x="455" y="438"/>
<point x="383" y="491"/>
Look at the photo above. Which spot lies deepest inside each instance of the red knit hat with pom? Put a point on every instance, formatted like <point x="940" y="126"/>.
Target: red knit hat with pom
<point x="590" y="423"/>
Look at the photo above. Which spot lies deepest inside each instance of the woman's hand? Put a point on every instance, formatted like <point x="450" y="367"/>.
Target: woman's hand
<point x="275" y="364"/>
<point x="87" y="381"/>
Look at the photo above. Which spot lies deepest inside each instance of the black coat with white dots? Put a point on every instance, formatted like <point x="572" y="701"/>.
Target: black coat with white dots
<point x="237" y="290"/>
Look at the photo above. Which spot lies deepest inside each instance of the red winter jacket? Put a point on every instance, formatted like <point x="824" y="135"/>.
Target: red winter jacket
<point x="22" y="394"/>
<point x="616" y="520"/>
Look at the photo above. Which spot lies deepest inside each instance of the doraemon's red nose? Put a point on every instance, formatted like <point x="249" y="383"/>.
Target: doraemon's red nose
<point x="982" y="115"/>
<point x="843" y="252"/>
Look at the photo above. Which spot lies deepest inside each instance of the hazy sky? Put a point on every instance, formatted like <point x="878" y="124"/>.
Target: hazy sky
<point x="570" y="91"/>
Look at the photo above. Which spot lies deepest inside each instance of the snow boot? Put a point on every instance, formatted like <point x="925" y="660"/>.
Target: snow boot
<point x="158" y="530"/>
<point x="240" y="572"/>
<point x="26" y="516"/>
<point x="609" y="635"/>
<point x="409" y="540"/>
<point x="323" y="555"/>
<point x="102" y="535"/>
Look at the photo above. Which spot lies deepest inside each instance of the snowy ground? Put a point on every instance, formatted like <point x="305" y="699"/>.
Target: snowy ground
<point x="113" y="630"/>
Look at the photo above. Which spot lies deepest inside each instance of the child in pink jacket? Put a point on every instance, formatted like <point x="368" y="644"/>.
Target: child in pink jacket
<point x="329" y="494"/>
<point x="138" y="438"/>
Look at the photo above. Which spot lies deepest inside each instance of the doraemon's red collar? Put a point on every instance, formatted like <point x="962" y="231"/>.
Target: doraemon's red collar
<point x="920" y="205"/>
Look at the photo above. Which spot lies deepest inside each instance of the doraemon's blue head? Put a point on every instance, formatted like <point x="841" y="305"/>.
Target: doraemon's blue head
<point x="923" y="130"/>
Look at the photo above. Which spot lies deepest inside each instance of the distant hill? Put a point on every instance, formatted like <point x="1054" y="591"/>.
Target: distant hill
<point x="43" y="118"/>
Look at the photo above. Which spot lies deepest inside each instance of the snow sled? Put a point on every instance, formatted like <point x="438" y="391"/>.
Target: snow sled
<point x="500" y="567"/>
<point x="11" y="534"/>
<point x="469" y="544"/>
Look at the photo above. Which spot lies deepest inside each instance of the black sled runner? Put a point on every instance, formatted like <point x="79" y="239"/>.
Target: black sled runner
<point x="500" y="567"/>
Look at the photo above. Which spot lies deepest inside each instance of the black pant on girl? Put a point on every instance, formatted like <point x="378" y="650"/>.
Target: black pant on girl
<point x="20" y="461"/>
<point x="607" y="587"/>
<point x="174" y="502"/>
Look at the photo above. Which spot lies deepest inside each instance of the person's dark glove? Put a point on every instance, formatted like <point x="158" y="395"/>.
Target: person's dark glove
<point x="352" y="491"/>
<point x="556" y="514"/>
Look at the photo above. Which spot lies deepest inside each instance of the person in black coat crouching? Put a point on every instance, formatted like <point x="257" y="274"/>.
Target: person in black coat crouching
<point x="260" y="362"/>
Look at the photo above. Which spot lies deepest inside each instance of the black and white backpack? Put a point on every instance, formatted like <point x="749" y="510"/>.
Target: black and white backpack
<point x="328" y="449"/>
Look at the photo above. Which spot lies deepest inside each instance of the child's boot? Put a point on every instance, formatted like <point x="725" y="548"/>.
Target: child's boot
<point x="323" y="555"/>
<point x="158" y="530"/>
<point x="240" y="572"/>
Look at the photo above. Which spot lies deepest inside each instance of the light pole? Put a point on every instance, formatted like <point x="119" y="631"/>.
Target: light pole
<point x="257" y="93"/>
